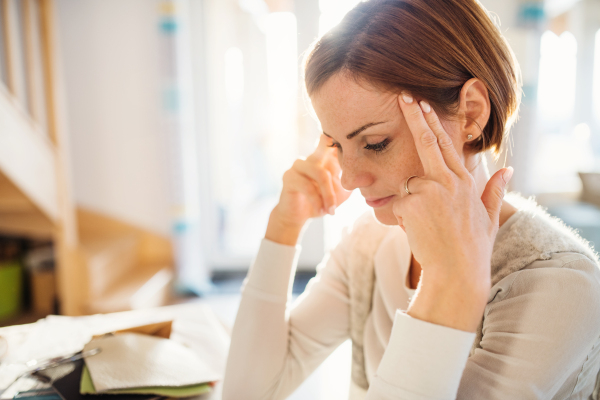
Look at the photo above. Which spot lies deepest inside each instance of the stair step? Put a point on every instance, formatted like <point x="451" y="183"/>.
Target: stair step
<point x="144" y="287"/>
<point x="109" y="261"/>
<point x="28" y="159"/>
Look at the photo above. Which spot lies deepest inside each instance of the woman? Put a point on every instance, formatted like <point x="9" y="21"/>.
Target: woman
<point x="409" y="94"/>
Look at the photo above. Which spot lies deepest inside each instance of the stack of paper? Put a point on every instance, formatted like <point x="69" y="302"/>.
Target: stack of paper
<point x="133" y="363"/>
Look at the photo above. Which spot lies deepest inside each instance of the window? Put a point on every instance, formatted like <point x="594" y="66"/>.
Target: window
<point x="563" y="147"/>
<point x="557" y="76"/>
<point x="596" y="99"/>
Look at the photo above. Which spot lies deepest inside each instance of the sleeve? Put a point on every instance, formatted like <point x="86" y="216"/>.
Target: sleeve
<point x="422" y="361"/>
<point x="537" y="335"/>
<point x="274" y="346"/>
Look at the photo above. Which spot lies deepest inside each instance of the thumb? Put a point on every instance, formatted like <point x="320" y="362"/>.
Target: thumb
<point x="494" y="193"/>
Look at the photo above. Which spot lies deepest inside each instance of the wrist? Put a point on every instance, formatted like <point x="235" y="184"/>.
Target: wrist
<point x="281" y="231"/>
<point x="456" y="302"/>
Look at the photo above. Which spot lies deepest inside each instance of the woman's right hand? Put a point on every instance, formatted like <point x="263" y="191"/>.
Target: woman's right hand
<point x="311" y="188"/>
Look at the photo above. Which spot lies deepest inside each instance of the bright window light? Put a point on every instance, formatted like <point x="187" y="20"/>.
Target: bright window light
<point x="283" y="78"/>
<point x="257" y="154"/>
<point x="332" y="12"/>
<point x="234" y="76"/>
<point x="556" y="87"/>
<point x="559" y="159"/>
<point x="597" y="78"/>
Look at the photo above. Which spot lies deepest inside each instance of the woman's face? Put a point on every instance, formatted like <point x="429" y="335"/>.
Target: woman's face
<point x="375" y="147"/>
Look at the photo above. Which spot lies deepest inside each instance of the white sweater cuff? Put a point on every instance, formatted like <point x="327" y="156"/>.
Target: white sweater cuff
<point x="422" y="360"/>
<point x="272" y="273"/>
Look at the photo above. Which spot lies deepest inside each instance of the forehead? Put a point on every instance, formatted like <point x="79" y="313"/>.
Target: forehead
<point x="344" y="105"/>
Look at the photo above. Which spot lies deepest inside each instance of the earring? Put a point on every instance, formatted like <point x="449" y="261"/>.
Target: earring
<point x="469" y="137"/>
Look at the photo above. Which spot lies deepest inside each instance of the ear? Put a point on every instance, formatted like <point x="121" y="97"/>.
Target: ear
<point x="475" y="107"/>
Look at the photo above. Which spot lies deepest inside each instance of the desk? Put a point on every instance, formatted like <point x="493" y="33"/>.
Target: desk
<point x="195" y="325"/>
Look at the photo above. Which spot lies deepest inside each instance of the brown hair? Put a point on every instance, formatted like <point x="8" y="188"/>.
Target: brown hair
<point x="429" y="48"/>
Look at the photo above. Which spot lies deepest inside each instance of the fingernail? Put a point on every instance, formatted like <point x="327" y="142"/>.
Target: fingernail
<point x="407" y="98"/>
<point x="323" y="212"/>
<point x="508" y="174"/>
<point x="332" y="210"/>
<point x="425" y="106"/>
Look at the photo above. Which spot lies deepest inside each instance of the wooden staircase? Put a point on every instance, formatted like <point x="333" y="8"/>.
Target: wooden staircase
<point x="127" y="267"/>
<point x="102" y="264"/>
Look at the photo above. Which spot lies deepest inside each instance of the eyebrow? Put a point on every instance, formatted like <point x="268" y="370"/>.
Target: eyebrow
<point x="359" y="130"/>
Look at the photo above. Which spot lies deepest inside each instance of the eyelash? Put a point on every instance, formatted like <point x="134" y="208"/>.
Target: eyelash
<point x="377" y="147"/>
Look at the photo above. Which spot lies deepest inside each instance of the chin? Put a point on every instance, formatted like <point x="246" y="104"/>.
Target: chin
<point x="385" y="216"/>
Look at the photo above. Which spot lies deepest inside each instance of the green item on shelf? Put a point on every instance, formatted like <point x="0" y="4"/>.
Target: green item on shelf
<point x="11" y="288"/>
<point x="87" y="387"/>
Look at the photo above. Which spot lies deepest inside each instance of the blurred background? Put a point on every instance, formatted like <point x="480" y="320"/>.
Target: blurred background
<point x="142" y="142"/>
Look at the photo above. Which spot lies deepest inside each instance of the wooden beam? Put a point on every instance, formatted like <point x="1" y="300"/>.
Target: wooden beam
<point x="72" y="275"/>
<point x="33" y="225"/>
<point x="29" y="53"/>
<point x="9" y="46"/>
<point x="49" y="62"/>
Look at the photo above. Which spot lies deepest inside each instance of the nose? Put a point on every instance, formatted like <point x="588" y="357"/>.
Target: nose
<point x="354" y="175"/>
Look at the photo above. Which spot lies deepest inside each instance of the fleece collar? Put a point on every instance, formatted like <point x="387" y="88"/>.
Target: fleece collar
<point x="532" y="234"/>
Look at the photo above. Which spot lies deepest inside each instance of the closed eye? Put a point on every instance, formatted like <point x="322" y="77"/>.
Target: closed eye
<point x="378" y="147"/>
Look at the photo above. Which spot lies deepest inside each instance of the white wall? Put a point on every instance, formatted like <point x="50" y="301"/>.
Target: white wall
<point x="111" y="67"/>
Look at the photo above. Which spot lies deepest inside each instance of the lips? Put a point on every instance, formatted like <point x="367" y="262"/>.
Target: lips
<point x="378" y="202"/>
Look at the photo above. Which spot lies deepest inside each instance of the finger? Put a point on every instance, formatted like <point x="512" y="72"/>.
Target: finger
<point x="323" y="149"/>
<point x="494" y="193"/>
<point x="398" y="210"/>
<point x="301" y="184"/>
<point x="341" y="194"/>
<point x="425" y="140"/>
<point x="447" y="149"/>
<point x="414" y="186"/>
<point x="323" y="179"/>
<point x="331" y="163"/>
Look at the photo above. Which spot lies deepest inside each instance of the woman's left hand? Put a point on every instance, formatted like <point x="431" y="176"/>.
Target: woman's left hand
<point x="451" y="229"/>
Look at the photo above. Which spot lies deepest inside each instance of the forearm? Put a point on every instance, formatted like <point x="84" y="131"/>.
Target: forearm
<point x="452" y="301"/>
<point x="282" y="232"/>
<point x="259" y="343"/>
<point x="430" y="343"/>
<point x="421" y="361"/>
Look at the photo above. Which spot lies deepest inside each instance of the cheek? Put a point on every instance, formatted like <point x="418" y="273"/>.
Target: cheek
<point x="401" y="163"/>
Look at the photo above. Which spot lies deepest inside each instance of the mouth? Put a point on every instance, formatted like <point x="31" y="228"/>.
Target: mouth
<point x="380" y="202"/>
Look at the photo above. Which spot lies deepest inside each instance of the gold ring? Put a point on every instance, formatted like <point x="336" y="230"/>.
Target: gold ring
<point x="406" y="184"/>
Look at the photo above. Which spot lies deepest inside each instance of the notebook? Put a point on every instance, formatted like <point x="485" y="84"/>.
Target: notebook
<point x="133" y="360"/>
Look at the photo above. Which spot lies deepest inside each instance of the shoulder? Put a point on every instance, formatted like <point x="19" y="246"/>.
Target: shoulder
<point x="566" y="285"/>
<point x="543" y="233"/>
<point x="539" y="330"/>
<point x="532" y="235"/>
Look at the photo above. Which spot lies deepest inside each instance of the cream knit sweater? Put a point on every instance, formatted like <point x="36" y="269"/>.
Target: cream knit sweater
<point x="533" y="235"/>
<point x="539" y="337"/>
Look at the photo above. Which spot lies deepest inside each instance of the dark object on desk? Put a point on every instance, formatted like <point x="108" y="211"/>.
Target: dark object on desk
<point x="38" y="394"/>
<point x="68" y="388"/>
<point x="590" y="192"/>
